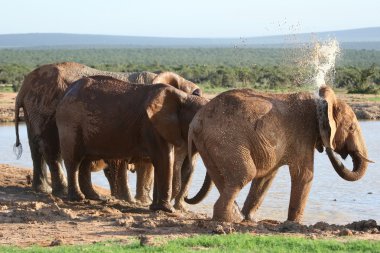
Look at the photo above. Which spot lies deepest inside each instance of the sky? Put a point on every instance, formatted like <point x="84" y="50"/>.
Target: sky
<point x="190" y="18"/>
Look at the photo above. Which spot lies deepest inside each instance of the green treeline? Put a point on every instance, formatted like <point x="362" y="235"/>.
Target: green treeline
<point x="357" y="70"/>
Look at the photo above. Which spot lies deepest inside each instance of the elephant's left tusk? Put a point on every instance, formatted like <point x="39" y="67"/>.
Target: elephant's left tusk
<point x="365" y="158"/>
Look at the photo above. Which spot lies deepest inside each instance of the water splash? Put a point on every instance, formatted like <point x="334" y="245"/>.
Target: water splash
<point x="323" y="60"/>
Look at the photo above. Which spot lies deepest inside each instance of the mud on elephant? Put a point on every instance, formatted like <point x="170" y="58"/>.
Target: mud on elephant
<point x="102" y="117"/>
<point x="39" y="95"/>
<point x="244" y="136"/>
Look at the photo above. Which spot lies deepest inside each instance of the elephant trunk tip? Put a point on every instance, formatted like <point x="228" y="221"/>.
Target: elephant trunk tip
<point x="359" y="168"/>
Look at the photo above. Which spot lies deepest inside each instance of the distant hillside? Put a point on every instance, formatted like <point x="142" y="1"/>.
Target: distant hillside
<point x="364" y="38"/>
<point x="83" y="40"/>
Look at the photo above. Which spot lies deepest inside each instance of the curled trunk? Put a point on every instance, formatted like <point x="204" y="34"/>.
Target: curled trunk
<point x="360" y="165"/>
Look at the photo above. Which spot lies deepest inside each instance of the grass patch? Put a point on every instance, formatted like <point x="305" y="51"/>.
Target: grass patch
<point x="220" y="243"/>
<point x="370" y="89"/>
<point x="6" y="89"/>
<point x="374" y="99"/>
<point x="210" y="89"/>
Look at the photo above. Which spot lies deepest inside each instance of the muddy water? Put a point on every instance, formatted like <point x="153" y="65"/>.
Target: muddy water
<point x="332" y="199"/>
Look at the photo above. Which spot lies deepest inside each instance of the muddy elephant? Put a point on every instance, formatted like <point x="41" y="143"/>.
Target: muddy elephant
<point x="245" y="136"/>
<point x="39" y="95"/>
<point x="101" y="117"/>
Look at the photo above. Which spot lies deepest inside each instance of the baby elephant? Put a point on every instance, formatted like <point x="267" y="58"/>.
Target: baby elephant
<point x="102" y="117"/>
<point x="244" y="136"/>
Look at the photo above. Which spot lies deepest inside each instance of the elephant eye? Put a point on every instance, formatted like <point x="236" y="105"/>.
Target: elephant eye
<point x="352" y="128"/>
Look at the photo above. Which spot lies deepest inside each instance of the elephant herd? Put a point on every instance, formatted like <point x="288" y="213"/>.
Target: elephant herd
<point x="155" y="124"/>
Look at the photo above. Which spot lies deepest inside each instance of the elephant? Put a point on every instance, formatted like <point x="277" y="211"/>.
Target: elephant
<point x="103" y="118"/>
<point x="39" y="95"/>
<point x="244" y="136"/>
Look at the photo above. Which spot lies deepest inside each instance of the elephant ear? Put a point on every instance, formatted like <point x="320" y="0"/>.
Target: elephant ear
<point x="178" y="82"/>
<point x="163" y="110"/>
<point x="326" y="121"/>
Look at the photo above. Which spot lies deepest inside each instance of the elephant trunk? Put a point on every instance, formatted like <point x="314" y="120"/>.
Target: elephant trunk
<point x="359" y="162"/>
<point x="206" y="187"/>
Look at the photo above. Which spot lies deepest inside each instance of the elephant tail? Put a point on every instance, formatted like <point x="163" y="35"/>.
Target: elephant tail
<point x="207" y="182"/>
<point x="206" y="187"/>
<point x="17" y="148"/>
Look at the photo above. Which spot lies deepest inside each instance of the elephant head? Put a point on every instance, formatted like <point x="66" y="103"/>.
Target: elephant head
<point x="177" y="82"/>
<point x="171" y="112"/>
<point x="340" y="132"/>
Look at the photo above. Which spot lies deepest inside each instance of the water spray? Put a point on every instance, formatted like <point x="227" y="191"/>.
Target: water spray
<point x="323" y="60"/>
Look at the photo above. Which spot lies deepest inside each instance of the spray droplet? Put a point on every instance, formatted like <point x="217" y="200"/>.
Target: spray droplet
<point x="324" y="56"/>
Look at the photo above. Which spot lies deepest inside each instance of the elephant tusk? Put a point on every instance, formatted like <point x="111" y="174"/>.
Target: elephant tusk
<point x="365" y="158"/>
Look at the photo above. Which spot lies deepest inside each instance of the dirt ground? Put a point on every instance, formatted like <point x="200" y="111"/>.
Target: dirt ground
<point x="29" y="218"/>
<point x="361" y="104"/>
<point x="7" y="106"/>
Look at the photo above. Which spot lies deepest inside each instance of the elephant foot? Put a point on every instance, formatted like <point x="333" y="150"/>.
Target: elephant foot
<point x="181" y="206"/>
<point x="43" y="187"/>
<point x="94" y="196"/>
<point x="101" y="198"/>
<point x="75" y="196"/>
<point x="143" y="200"/>
<point x="250" y="217"/>
<point x="166" y="207"/>
<point x="229" y="215"/>
<point x="127" y="198"/>
<point x="60" y="191"/>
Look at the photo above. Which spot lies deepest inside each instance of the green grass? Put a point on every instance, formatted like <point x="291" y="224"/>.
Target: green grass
<point x="374" y="99"/>
<point x="6" y="89"/>
<point x="220" y="243"/>
<point x="209" y="89"/>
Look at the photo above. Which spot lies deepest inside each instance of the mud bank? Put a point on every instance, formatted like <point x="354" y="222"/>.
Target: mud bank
<point x="28" y="218"/>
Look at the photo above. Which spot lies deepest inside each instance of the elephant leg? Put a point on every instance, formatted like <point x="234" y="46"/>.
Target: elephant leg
<point x="257" y="192"/>
<point x="225" y="208"/>
<point x="123" y="190"/>
<point x="111" y="178"/>
<point x="58" y="180"/>
<point x="155" y="190"/>
<point x="72" y="164"/>
<point x="116" y="173"/>
<point x="186" y="175"/>
<point x="162" y="159"/>
<point x="230" y="172"/>
<point x="145" y="174"/>
<point x="49" y="144"/>
<point x="180" y="154"/>
<point x="39" y="183"/>
<point x="301" y="180"/>
<point x="85" y="181"/>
